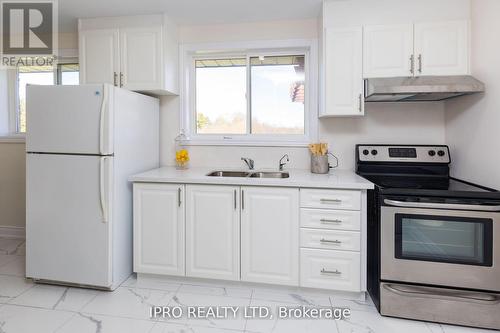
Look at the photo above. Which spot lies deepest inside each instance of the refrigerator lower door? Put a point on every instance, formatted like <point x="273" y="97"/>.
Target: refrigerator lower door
<point x="69" y="119"/>
<point x="68" y="219"/>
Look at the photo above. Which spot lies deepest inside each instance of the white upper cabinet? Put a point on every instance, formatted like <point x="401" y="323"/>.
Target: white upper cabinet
<point x="442" y="48"/>
<point x="99" y="56"/>
<point x="270" y="235"/>
<point x="431" y="48"/>
<point x="139" y="53"/>
<point x="159" y="229"/>
<point x="213" y="232"/>
<point x="388" y="50"/>
<point x="343" y="62"/>
<point x="141" y="58"/>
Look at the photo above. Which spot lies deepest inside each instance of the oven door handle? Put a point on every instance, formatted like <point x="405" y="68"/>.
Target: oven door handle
<point x="434" y="293"/>
<point x="398" y="203"/>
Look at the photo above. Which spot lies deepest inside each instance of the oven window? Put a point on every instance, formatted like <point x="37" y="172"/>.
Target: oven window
<point x="458" y="240"/>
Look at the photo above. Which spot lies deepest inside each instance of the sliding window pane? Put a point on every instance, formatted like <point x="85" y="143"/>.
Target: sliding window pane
<point x="221" y="106"/>
<point x="70" y="74"/>
<point x="278" y="94"/>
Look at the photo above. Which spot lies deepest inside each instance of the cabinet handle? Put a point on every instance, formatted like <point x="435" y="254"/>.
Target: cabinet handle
<point x="360" y="100"/>
<point x="235" y="200"/>
<point x="336" y="241"/>
<point x="412" y="64"/>
<point x="336" y="272"/>
<point x="420" y="63"/>
<point x="115" y="79"/>
<point x="242" y="200"/>
<point x="330" y="221"/>
<point x="121" y="79"/>
<point x="179" y="201"/>
<point x="330" y="201"/>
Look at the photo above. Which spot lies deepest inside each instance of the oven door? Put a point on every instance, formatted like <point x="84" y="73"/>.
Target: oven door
<point x="444" y="247"/>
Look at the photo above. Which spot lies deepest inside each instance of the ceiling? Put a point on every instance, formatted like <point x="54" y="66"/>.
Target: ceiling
<point x="189" y="11"/>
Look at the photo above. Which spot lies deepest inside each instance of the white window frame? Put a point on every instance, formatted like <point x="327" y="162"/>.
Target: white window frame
<point x="191" y="52"/>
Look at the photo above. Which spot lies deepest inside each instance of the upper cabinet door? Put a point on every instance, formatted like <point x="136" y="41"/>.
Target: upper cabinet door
<point x="99" y="56"/>
<point x="270" y="235"/>
<point x="141" y="58"/>
<point x="388" y="50"/>
<point x="343" y="59"/>
<point x="213" y="232"/>
<point x="442" y="48"/>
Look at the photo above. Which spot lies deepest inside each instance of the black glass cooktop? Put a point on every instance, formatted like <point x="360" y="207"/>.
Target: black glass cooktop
<point x="429" y="185"/>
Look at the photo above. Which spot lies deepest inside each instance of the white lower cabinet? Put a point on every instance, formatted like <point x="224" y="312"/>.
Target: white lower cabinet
<point x="330" y="239"/>
<point x="329" y="269"/>
<point x="213" y="232"/>
<point x="159" y="228"/>
<point x="270" y="235"/>
<point x="275" y="235"/>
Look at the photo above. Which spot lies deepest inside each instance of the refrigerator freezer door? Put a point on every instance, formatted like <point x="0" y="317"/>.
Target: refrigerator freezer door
<point x="69" y="119"/>
<point x="69" y="219"/>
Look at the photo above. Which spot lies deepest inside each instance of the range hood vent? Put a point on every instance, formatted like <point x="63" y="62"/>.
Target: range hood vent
<point x="420" y="89"/>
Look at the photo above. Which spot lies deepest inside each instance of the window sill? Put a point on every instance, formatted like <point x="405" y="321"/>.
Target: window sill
<point x="13" y="138"/>
<point x="240" y="143"/>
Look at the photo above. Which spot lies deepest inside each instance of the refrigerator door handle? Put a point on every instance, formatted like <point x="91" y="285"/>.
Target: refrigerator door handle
<point x="102" y="126"/>
<point x="102" y="188"/>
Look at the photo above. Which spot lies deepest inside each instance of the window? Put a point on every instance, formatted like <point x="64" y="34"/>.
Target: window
<point x="258" y="97"/>
<point x="65" y="74"/>
<point x="277" y="95"/>
<point x="68" y="74"/>
<point x="221" y="89"/>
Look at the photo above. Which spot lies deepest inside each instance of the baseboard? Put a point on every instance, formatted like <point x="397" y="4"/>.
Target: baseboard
<point x="12" y="232"/>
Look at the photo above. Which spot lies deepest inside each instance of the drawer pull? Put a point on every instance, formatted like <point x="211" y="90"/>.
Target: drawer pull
<point x="336" y="241"/>
<point x="335" y="272"/>
<point x="330" y="221"/>
<point x="327" y="201"/>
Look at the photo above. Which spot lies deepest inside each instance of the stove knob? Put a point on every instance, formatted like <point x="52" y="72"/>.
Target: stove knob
<point x="441" y="153"/>
<point x="365" y="152"/>
<point x="432" y="153"/>
<point x="374" y="152"/>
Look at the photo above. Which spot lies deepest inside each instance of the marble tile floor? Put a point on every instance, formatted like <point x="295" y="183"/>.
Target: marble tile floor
<point x="35" y="308"/>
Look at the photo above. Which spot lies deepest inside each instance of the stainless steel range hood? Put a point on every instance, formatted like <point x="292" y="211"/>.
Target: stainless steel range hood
<point x="423" y="88"/>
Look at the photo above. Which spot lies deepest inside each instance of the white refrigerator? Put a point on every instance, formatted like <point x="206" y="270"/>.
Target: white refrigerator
<point x="82" y="144"/>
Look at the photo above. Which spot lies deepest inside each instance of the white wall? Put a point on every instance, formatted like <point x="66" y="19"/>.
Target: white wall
<point x="383" y="123"/>
<point x="411" y="123"/>
<point x="473" y="123"/>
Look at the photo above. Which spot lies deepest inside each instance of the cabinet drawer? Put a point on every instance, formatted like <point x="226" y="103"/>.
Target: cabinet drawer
<point x="330" y="219"/>
<point x="330" y="199"/>
<point x="330" y="269"/>
<point x="330" y="239"/>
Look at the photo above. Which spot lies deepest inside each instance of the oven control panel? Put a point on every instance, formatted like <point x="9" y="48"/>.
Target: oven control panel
<point x="403" y="153"/>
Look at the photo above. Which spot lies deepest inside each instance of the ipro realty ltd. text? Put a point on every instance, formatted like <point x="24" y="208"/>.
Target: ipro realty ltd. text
<point x="249" y="312"/>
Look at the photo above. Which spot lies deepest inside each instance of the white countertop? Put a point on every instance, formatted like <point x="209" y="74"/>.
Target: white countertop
<point x="336" y="179"/>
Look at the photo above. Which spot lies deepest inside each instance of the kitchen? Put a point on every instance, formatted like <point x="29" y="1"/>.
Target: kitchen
<point x="468" y="125"/>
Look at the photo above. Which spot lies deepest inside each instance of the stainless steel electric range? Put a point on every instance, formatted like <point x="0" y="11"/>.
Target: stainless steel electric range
<point x="433" y="241"/>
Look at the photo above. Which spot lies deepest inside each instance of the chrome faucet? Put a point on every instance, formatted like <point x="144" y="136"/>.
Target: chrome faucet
<point x="282" y="164"/>
<point x="249" y="162"/>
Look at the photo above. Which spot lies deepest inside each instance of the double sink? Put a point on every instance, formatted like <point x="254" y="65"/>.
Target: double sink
<point x="249" y="174"/>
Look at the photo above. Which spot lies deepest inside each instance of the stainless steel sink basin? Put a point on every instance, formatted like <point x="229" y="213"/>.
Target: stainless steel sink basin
<point x="244" y="174"/>
<point x="228" y="174"/>
<point x="269" y="175"/>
